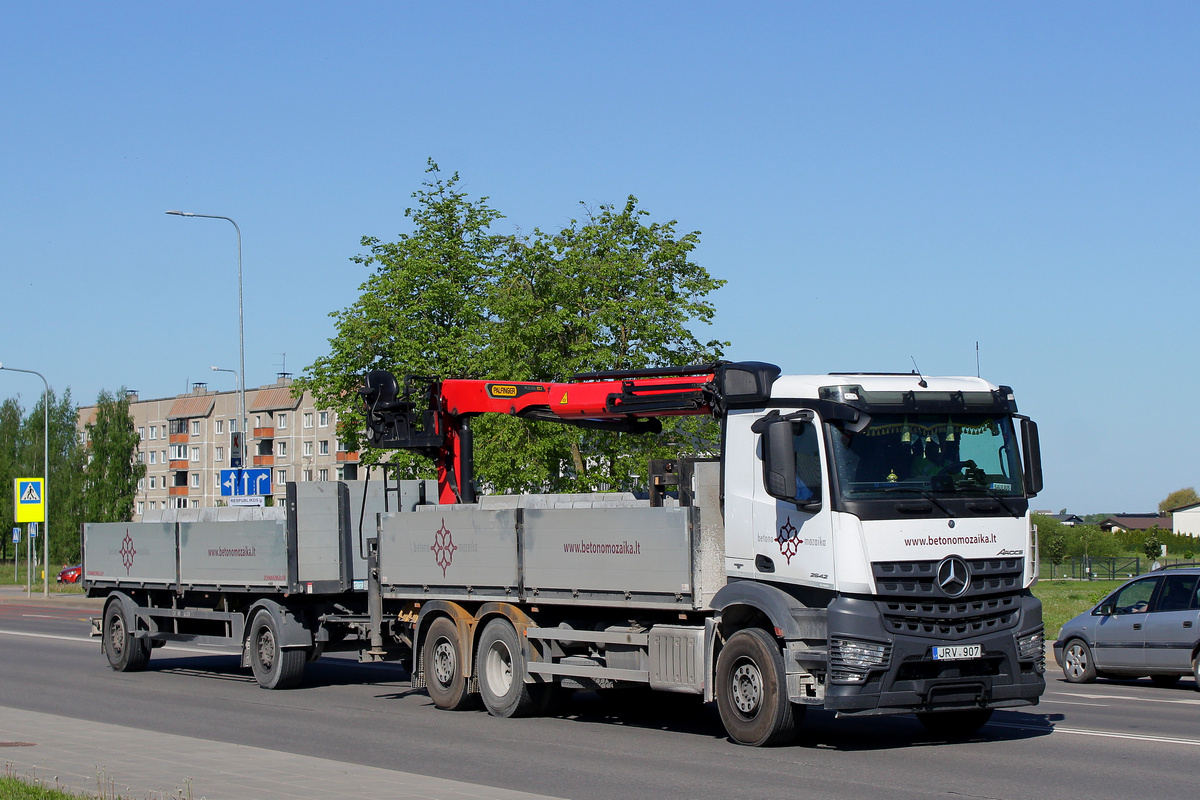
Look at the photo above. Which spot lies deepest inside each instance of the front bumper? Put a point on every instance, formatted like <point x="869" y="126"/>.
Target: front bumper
<point x="911" y="680"/>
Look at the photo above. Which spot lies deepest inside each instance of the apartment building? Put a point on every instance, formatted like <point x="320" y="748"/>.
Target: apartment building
<point x="185" y="443"/>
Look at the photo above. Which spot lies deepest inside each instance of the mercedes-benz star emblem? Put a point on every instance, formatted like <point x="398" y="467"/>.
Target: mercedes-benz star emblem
<point x="953" y="576"/>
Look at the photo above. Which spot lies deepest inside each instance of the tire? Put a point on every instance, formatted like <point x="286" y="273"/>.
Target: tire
<point x="273" y="666"/>
<point x="500" y="665"/>
<point x="751" y="689"/>
<point x="124" y="652"/>
<point x="441" y="658"/>
<point x="1165" y="681"/>
<point x="1196" y="670"/>
<point x="955" y="724"/>
<point x="1078" y="665"/>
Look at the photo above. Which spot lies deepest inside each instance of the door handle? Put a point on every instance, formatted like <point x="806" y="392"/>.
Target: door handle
<point x="1137" y="626"/>
<point x="1187" y="624"/>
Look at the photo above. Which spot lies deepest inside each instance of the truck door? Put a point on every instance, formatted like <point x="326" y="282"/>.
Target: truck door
<point x="793" y="535"/>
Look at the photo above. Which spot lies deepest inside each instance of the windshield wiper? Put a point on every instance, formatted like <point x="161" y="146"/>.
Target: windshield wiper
<point x="1001" y="499"/>
<point x="924" y="493"/>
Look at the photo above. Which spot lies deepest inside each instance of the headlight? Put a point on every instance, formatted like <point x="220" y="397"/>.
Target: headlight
<point x="1032" y="647"/>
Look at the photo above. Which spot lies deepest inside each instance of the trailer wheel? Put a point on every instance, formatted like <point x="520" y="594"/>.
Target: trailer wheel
<point x="441" y="659"/>
<point x="274" y="667"/>
<point x="124" y="652"/>
<point x="751" y="690"/>
<point x="501" y="668"/>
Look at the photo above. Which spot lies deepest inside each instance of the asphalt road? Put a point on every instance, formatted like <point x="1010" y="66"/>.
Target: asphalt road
<point x="1104" y="740"/>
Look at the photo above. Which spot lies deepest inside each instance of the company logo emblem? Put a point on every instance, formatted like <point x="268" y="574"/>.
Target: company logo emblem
<point x="443" y="547"/>
<point x="127" y="552"/>
<point x="953" y="576"/>
<point x="788" y="539"/>
<point x="497" y="390"/>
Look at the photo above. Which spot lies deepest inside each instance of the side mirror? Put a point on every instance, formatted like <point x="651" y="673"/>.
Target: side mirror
<point x="779" y="460"/>
<point x="1104" y="610"/>
<point x="1032" y="452"/>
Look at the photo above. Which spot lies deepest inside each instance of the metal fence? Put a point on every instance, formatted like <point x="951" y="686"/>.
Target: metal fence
<point x="1110" y="569"/>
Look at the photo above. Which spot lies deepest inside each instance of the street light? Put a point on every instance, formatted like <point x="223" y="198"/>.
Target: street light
<point x="241" y="323"/>
<point x="45" y="481"/>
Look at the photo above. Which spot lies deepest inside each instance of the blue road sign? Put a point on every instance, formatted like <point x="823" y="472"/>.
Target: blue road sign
<point x="243" y="482"/>
<point x="16" y="535"/>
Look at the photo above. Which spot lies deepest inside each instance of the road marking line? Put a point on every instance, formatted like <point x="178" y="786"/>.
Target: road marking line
<point x="1072" y="703"/>
<point x="1138" y="737"/>
<point x="1133" y="699"/>
<point x="89" y="640"/>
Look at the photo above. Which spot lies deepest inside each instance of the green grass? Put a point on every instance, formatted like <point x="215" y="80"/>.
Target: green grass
<point x="6" y="579"/>
<point x="1063" y="599"/>
<point x="12" y="788"/>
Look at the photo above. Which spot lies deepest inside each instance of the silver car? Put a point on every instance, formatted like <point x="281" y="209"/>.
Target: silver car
<point x="1149" y="626"/>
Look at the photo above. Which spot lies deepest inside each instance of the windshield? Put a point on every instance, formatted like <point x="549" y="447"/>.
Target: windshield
<point x="941" y="454"/>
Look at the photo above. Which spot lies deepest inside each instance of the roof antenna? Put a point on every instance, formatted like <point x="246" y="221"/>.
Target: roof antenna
<point x="977" y="358"/>
<point x="922" y="382"/>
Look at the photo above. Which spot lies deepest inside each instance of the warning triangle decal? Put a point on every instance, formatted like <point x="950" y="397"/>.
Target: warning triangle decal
<point x="563" y="402"/>
<point x="30" y="494"/>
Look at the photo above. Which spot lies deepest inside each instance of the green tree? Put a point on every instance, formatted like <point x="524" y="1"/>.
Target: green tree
<point x="112" y="472"/>
<point x="453" y="299"/>
<point x="424" y="310"/>
<point x="1052" y="542"/>
<point x="10" y="437"/>
<point x="1089" y="541"/>
<point x="1178" y="499"/>
<point x="1152" y="546"/>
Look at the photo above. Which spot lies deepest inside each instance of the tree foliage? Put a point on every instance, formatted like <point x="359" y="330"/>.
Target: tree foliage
<point x="112" y="473"/>
<point x="1178" y="499"/>
<point x="454" y="299"/>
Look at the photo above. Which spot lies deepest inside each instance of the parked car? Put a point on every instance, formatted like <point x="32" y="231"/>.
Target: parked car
<point x="70" y="574"/>
<point x="1149" y="626"/>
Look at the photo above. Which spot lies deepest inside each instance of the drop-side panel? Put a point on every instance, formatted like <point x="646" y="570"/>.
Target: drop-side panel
<point x="319" y="543"/>
<point x="129" y="553"/>
<point x="639" y="555"/>
<point x="248" y="554"/>
<point x="449" y="554"/>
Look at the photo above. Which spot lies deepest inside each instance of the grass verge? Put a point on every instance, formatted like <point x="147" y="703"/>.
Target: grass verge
<point x="1063" y="599"/>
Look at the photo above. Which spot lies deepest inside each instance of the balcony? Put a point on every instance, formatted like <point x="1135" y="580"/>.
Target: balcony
<point x="180" y="464"/>
<point x="264" y="433"/>
<point x="349" y="457"/>
<point x="264" y="461"/>
<point x="179" y="438"/>
<point x="178" y="491"/>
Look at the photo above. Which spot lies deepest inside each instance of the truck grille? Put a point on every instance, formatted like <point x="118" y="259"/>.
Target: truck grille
<point x="912" y="604"/>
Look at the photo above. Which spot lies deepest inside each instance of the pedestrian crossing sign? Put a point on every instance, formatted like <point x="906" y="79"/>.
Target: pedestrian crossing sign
<point x="29" y="499"/>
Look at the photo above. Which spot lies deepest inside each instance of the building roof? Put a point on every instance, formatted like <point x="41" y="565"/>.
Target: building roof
<point x="191" y="406"/>
<point x="1135" y="522"/>
<point x="275" y="398"/>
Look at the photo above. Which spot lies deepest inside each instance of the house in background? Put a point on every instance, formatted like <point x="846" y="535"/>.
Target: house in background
<point x="1185" y="520"/>
<point x="1134" y="522"/>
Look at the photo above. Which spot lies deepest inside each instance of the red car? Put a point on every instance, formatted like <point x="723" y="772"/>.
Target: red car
<point x="70" y="574"/>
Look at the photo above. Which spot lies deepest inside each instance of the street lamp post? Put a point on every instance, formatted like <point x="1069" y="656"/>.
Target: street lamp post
<point x="45" y="481"/>
<point x="241" y="322"/>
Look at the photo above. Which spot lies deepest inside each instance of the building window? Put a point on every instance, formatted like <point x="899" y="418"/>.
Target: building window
<point x="219" y="455"/>
<point x="281" y="448"/>
<point x="258" y="420"/>
<point x="153" y="432"/>
<point x="307" y="475"/>
<point x="281" y="476"/>
<point x="153" y="505"/>
<point x="176" y="426"/>
<point x="164" y="456"/>
<point x="141" y="506"/>
<point x="142" y="457"/>
<point x="341" y="447"/>
<point x="220" y="426"/>
<point x="308" y="448"/>
<point x="323" y="419"/>
<point x="233" y="426"/>
<point x="195" y="480"/>
<point x="323" y="447"/>
<point x="323" y="475"/>
<point x="195" y="454"/>
<point x="153" y="482"/>
<point x="152" y="457"/>
<point x="195" y="427"/>
<point x="141" y="484"/>
<point x="308" y="420"/>
<point x="141" y="433"/>
<point x="281" y="421"/>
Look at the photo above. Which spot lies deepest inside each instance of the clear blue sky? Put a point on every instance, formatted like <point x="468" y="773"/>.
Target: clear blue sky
<point x="876" y="181"/>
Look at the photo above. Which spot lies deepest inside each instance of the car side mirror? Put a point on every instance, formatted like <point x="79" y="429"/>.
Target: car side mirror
<point x="1104" y="610"/>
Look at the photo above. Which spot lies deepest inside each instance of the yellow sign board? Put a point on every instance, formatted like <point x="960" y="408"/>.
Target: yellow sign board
<point x="29" y="499"/>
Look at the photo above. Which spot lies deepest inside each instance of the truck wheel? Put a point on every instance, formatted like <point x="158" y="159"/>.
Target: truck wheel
<point x="124" y="652"/>
<point x="1078" y="666"/>
<point x="441" y="659"/>
<point x="501" y="668"/>
<point x="955" y="724"/>
<point x="274" y="667"/>
<point x="751" y="690"/>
